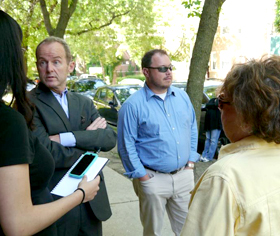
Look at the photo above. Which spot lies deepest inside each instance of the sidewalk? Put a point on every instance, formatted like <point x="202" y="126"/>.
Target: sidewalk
<point x="125" y="220"/>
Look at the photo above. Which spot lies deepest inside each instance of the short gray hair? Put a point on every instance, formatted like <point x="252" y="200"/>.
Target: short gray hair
<point x="53" y="39"/>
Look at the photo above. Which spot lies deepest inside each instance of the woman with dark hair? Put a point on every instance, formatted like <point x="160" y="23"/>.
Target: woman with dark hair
<point x="240" y="193"/>
<point x="26" y="166"/>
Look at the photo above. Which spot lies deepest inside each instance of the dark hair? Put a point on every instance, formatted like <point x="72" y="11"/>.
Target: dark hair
<point x="254" y="89"/>
<point x="147" y="58"/>
<point x="54" y="39"/>
<point x="12" y="73"/>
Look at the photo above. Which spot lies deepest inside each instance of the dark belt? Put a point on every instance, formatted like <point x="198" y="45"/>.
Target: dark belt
<point x="172" y="172"/>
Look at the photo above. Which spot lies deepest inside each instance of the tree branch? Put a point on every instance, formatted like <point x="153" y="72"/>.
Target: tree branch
<point x="65" y="14"/>
<point x="46" y="16"/>
<point x="38" y="25"/>
<point x="99" y="27"/>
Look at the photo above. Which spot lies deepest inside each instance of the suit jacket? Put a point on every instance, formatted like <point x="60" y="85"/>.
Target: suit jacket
<point x="50" y="119"/>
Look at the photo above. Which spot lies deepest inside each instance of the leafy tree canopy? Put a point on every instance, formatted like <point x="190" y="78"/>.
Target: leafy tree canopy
<point x="97" y="30"/>
<point x="277" y="16"/>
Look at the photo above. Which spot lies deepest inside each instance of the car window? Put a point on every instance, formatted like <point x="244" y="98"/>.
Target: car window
<point x="91" y="77"/>
<point x="211" y="91"/>
<point x="89" y="85"/>
<point x="124" y="93"/>
<point x="99" y="83"/>
<point x="96" y="96"/>
<point x="102" y="95"/>
<point x="110" y="96"/>
<point x="83" y="86"/>
<point x="205" y="99"/>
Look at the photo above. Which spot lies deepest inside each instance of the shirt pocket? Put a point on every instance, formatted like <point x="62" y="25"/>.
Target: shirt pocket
<point x="148" y="129"/>
<point x="184" y="119"/>
<point x="84" y="121"/>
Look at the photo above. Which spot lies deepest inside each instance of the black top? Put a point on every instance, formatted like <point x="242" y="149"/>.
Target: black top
<point x="213" y="116"/>
<point x="19" y="146"/>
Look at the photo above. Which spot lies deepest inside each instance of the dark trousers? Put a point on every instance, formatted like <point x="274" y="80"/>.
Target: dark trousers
<point x="80" y="221"/>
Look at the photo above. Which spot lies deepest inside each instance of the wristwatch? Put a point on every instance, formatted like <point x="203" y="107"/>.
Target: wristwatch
<point x="190" y="165"/>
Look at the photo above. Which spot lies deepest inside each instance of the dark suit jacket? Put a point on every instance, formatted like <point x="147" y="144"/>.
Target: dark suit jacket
<point x="212" y="116"/>
<point x="50" y="119"/>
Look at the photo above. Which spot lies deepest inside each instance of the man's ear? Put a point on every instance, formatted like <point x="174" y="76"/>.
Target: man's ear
<point x="71" y="66"/>
<point x="145" y="72"/>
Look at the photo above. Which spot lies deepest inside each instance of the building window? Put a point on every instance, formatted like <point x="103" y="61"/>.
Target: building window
<point x="225" y="60"/>
<point x="214" y="61"/>
<point x="225" y="30"/>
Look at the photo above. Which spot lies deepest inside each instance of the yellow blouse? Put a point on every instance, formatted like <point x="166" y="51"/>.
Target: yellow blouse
<point x="239" y="194"/>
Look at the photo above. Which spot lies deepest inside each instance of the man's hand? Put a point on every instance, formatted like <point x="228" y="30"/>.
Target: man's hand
<point x="191" y="163"/>
<point x="98" y="123"/>
<point x="144" y="178"/>
<point x="55" y="138"/>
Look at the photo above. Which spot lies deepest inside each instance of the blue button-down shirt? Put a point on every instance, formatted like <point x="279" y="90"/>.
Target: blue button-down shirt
<point x="159" y="134"/>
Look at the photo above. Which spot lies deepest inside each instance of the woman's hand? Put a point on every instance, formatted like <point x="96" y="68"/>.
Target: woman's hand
<point x="90" y="187"/>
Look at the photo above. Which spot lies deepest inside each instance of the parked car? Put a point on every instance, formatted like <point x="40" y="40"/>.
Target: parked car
<point x="8" y="95"/>
<point x="132" y="81"/>
<point x="87" y="87"/>
<point x="109" y="99"/>
<point x="70" y="81"/>
<point x="209" y="91"/>
<point x="88" y="76"/>
<point x="31" y="84"/>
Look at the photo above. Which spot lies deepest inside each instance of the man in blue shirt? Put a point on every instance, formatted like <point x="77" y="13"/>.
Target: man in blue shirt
<point x="157" y="142"/>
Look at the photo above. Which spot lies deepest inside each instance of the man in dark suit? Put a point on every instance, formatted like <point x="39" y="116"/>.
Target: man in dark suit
<point x="69" y="125"/>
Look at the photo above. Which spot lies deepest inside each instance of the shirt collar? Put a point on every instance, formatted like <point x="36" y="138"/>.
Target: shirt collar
<point x="150" y="93"/>
<point x="60" y="95"/>
<point x="249" y="143"/>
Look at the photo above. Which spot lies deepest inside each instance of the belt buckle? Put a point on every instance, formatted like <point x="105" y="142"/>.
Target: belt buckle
<point x="174" y="172"/>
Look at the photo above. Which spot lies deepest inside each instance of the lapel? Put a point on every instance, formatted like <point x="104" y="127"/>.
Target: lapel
<point x="73" y="108"/>
<point x="45" y="95"/>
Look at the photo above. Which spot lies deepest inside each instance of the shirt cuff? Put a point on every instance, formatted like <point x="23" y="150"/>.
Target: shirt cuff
<point x="138" y="173"/>
<point x="194" y="157"/>
<point x="67" y="139"/>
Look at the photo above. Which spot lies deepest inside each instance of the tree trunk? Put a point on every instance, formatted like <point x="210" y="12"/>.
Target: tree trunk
<point x="103" y="69"/>
<point x="201" y="52"/>
<point x="65" y="14"/>
<point x="114" y="81"/>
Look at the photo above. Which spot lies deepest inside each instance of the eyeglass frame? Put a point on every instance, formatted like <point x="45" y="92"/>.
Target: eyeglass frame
<point x="221" y="102"/>
<point x="162" y="69"/>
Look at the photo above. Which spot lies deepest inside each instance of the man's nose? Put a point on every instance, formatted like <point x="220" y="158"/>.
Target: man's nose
<point x="49" y="67"/>
<point x="169" y="71"/>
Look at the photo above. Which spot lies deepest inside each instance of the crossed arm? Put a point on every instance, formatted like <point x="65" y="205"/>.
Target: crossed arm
<point x="98" y="123"/>
<point x="97" y="134"/>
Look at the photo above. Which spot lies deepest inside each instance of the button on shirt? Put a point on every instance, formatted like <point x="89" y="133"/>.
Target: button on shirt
<point x="159" y="134"/>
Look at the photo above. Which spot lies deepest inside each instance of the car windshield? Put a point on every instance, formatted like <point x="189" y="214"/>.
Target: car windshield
<point x="84" y="86"/>
<point x="123" y="93"/>
<point x="99" y="83"/>
<point x="211" y="91"/>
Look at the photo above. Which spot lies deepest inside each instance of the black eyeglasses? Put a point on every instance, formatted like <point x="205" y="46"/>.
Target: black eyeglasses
<point x="162" y="69"/>
<point x="221" y="101"/>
